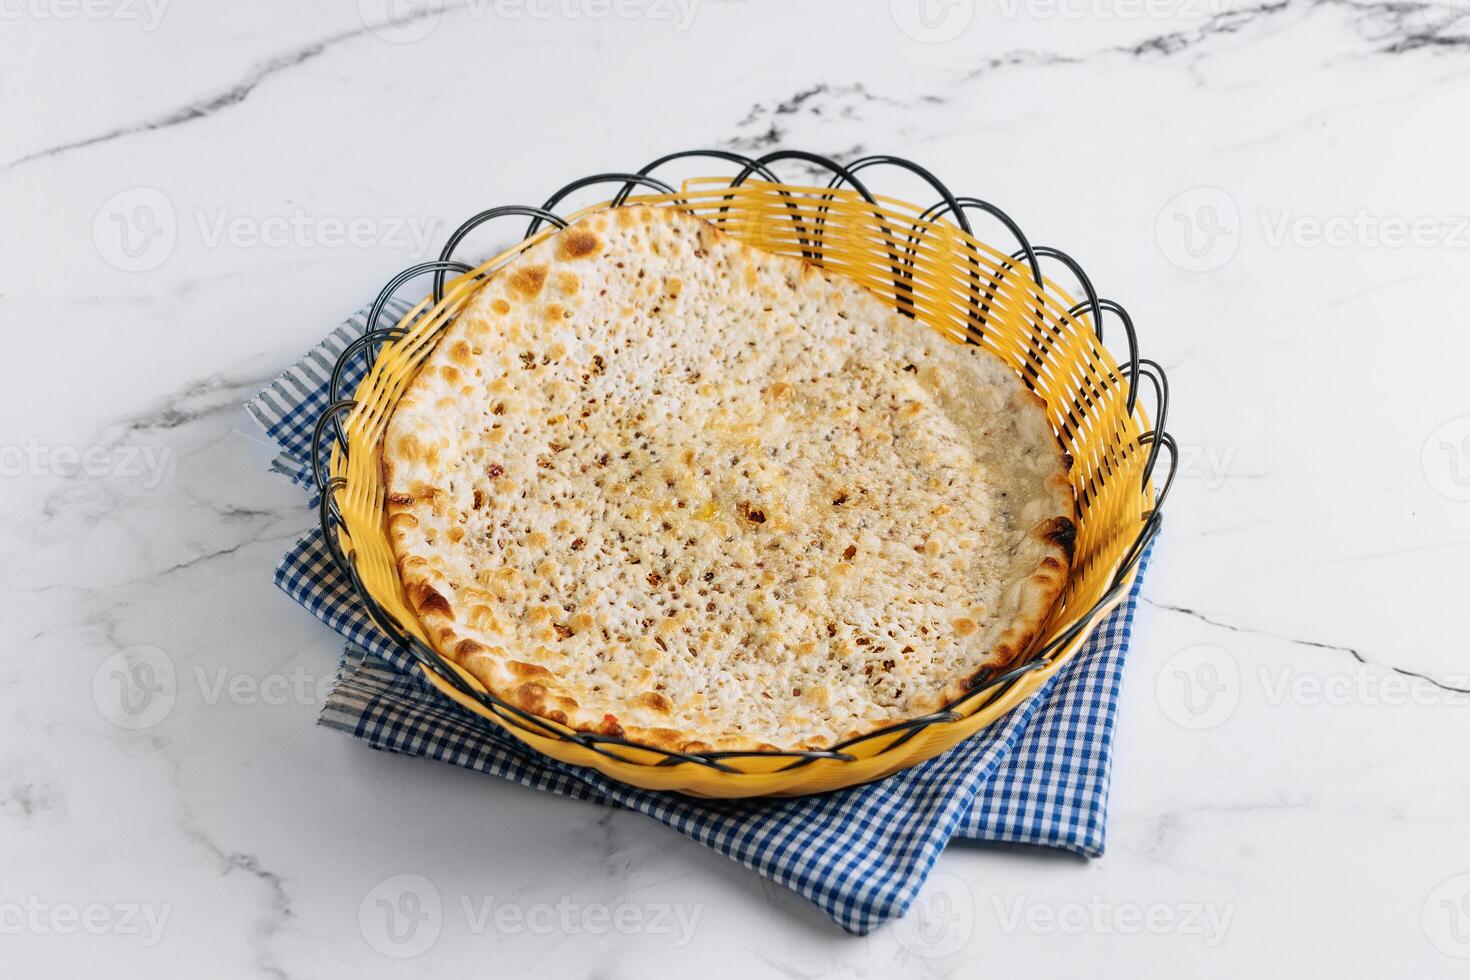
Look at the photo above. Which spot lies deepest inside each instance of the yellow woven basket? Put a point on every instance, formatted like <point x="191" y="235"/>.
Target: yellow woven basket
<point x="921" y="263"/>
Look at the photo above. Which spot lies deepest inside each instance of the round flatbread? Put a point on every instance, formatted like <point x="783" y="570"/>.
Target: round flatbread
<point x="653" y="482"/>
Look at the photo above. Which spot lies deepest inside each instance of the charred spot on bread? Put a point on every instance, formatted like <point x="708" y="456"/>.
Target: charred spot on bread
<point x="427" y="599"/>
<point x="577" y="243"/>
<point x="528" y="280"/>
<point x="1062" y="532"/>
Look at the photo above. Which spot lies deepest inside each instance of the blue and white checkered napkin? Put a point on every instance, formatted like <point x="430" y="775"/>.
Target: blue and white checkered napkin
<point x="1038" y="776"/>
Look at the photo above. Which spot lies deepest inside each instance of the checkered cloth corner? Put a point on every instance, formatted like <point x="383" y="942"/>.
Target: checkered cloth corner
<point x="1037" y="776"/>
<point x="288" y="408"/>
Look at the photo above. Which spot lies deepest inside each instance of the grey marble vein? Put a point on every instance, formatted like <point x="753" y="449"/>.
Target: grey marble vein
<point x="208" y="105"/>
<point x="1401" y="27"/>
<point x="1356" y="654"/>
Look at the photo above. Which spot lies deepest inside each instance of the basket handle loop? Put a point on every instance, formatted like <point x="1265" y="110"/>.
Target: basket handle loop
<point x="331" y="412"/>
<point x="629" y="181"/>
<point x="490" y="214"/>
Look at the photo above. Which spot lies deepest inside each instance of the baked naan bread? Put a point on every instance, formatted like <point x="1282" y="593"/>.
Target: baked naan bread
<point x="653" y="482"/>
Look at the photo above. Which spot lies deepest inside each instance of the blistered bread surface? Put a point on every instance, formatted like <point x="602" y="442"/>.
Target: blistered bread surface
<point x="655" y="483"/>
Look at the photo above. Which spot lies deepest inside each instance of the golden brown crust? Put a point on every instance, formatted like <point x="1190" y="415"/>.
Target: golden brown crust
<point x="502" y="454"/>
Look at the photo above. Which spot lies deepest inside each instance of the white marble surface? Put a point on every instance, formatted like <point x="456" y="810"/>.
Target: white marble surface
<point x="1292" y="793"/>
